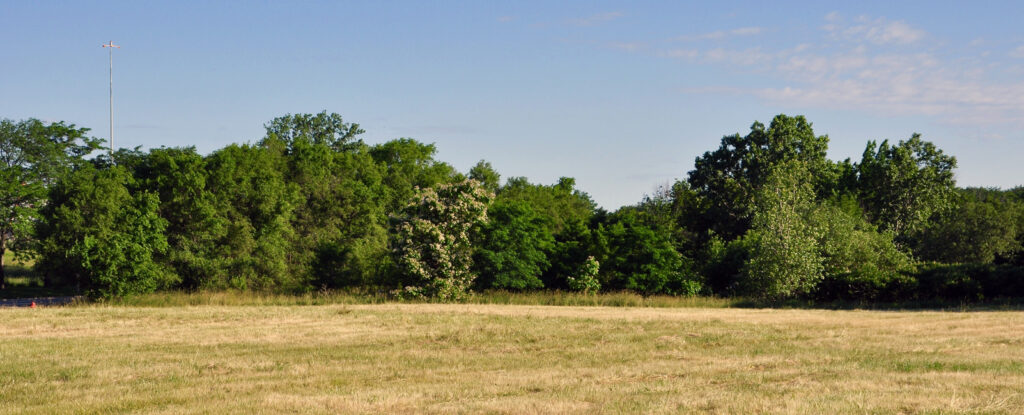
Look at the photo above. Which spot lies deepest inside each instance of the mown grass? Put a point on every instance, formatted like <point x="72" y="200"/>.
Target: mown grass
<point x="472" y="358"/>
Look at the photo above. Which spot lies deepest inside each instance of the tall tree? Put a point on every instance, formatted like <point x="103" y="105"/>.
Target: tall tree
<point x="95" y="231"/>
<point x="256" y="202"/>
<point x="512" y="251"/>
<point x="484" y="173"/>
<point x="972" y="230"/>
<point x="179" y="177"/>
<point x="407" y="165"/>
<point x="729" y="177"/>
<point x="33" y="156"/>
<point x="785" y="261"/>
<point x="903" y="185"/>
<point x="637" y="257"/>
<point x="323" y="128"/>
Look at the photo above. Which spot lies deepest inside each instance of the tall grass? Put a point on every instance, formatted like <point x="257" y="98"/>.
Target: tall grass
<point x="547" y="298"/>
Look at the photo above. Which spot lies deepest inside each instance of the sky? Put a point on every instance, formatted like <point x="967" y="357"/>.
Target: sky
<point x="621" y="95"/>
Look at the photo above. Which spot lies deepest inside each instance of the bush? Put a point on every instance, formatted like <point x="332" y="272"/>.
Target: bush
<point x="867" y="283"/>
<point x="586" y="278"/>
<point x="970" y="282"/>
<point x="104" y="237"/>
<point x="432" y="240"/>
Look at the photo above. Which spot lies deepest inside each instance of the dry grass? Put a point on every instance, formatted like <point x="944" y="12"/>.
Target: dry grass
<point x="403" y="358"/>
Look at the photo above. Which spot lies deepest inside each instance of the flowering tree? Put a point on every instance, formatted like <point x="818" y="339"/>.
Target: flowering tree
<point x="432" y="243"/>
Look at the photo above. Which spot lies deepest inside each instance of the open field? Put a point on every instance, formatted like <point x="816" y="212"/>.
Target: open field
<point x="507" y="359"/>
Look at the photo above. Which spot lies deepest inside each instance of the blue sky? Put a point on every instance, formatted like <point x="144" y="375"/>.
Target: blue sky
<point x="620" y="95"/>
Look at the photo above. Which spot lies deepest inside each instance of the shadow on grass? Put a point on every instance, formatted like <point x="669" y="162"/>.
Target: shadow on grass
<point x="995" y="304"/>
<point x="23" y="283"/>
<point x="538" y="298"/>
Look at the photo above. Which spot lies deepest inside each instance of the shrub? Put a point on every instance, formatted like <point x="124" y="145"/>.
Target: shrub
<point x="432" y="240"/>
<point x="586" y="278"/>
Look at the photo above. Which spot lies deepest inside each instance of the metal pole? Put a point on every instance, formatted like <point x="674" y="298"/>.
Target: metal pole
<point x="111" y="102"/>
<point x="111" y="45"/>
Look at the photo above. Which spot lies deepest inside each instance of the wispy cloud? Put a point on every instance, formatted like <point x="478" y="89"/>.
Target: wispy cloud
<point x="1017" y="52"/>
<point x="879" y="31"/>
<point x="506" y="19"/>
<point x="628" y="46"/>
<point x="878" y="65"/>
<point x="679" y="53"/>
<point x="595" y="19"/>
<point x="720" y="34"/>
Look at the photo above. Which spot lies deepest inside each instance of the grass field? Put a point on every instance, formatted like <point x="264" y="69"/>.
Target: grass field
<point x="507" y="359"/>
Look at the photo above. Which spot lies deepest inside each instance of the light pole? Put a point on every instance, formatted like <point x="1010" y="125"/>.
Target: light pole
<point x="111" y="45"/>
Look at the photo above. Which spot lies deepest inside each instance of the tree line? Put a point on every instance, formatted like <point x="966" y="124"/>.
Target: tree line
<point x="310" y="206"/>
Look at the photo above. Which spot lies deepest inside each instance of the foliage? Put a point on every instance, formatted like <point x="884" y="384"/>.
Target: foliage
<point x="33" y="156"/>
<point x="903" y="185"/>
<point x="306" y="210"/>
<point x="729" y="177"/>
<point x="722" y="263"/>
<point x="432" y="239"/>
<point x="179" y="177"/>
<point x="511" y="253"/>
<point x="94" y="230"/>
<point x="484" y="173"/>
<point x="972" y="231"/>
<point x="785" y="261"/>
<point x="407" y="165"/>
<point x="859" y="262"/>
<point x="340" y="235"/>
<point x="569" y="253"/>
<point x="638" y="258"/>
<point x="257" y="204"/>
<point x="319" y="129"/>
<point x="969" y="282"/>
<point x="585" y="279"/>
<point x="561" y="203"/>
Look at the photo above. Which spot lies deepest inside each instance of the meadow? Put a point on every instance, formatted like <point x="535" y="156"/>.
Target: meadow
<point x="498" y="358"/>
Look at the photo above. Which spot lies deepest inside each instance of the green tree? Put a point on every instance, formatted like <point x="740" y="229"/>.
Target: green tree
<point x="785" y="260"/>
<point x="178" y="176"/>
<point x="323" y="128"/>
<point x="972" y="231"/>
<point x="257" y="204"/>
<point x="512" y="251"/>
<point x="432" y="239"/>
<point x="484" y="173"/>
<point x="566" y="213"/>
<point x="635" y="257"/>
<point x="95" y="231"/>
<point x="561" y="203"/>
<point x="33" y="155"/>
<point x="859" y="262"/>
<point x="408" y="164"/>
<point x="903" y="185"/>
<point x="729" y="177"/>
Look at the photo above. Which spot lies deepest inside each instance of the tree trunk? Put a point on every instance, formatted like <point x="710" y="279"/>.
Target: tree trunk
<point x="3" y="275"/>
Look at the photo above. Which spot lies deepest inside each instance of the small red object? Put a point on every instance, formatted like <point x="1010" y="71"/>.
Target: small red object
<point x="33" y="305"/>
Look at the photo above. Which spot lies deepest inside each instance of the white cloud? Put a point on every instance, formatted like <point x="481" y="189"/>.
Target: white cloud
<point x="864" y="74"/>
<point x="720" y="34"/>
<point x="879" y="31"/>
